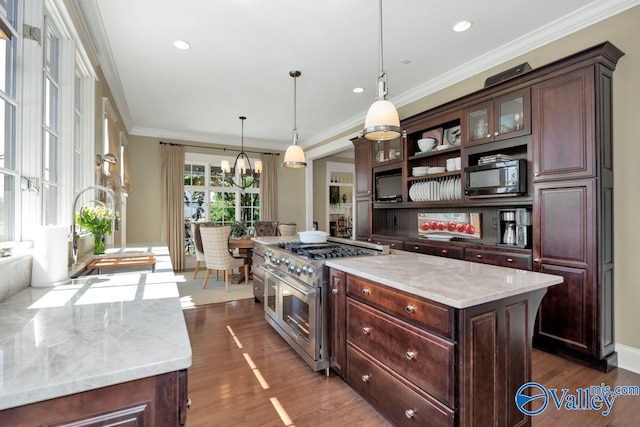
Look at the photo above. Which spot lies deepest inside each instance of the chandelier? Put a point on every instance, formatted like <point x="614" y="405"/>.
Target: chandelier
<point x="241" y="175"/>
<point x="294" y="156"/>
<point x="382" y="122"/>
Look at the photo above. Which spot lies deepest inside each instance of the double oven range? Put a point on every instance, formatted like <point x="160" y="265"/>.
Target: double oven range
<point x="296" y="292"/>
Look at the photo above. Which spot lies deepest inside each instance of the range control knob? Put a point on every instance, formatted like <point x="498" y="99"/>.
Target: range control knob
<point x="310" y="270"/>
<point x="292" y="267"/>
<point x="298" y="271"/>
<point x="304" y="269"/>
<point x="283" y="260"/>
<point x="287" y="261"/>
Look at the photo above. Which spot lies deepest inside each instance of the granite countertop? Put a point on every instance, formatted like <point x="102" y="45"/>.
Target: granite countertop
<point x="456" y="283"/>
<point x="93" y="332"/>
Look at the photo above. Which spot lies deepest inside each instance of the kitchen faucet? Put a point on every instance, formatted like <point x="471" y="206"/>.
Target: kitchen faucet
<point x="74" y="235"/>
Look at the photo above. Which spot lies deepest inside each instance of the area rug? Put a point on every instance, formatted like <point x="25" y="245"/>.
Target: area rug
<point x="192" y="294"/>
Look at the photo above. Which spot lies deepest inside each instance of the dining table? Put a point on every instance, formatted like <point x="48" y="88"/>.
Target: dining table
<point x="241" y="248"/>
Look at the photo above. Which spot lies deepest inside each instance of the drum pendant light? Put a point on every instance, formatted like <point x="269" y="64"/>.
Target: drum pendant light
<point x="382" y="122"/>
<point x="294" y="156"/>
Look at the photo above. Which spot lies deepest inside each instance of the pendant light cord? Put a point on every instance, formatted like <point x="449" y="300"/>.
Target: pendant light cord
<point x="381" y="56"/>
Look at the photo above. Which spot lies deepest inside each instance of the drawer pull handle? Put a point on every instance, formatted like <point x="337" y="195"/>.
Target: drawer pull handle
<point x="410" y="413"/>
<point x="334" y="291"/>
<point x="444" y="251"/>
<point x="416" y="248"/>
<point x="393" y="245"/>
<point x="410" y="308"/>
<point x="188" y="403"/>
<point x="478" y="256"/>
<point x="488" y="135"/>
<point x="365" y="291"/>
<point x="366" y="378"/>
<point x="496" y="133"/>
<point x="411" y="355"/>
<point x="366" y="330"/>
<point x="509" y="259"/>
<point x="536" y="260"/>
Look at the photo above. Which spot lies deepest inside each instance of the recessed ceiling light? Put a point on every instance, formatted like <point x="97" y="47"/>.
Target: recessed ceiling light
<point x="462" y="26"/>
<point x="405" y="60"/>
<point x="358" y="89"/>
<point x="181" y="44"/>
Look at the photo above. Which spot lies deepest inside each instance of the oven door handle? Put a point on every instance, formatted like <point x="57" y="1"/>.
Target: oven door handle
<point x="283" y="279"/>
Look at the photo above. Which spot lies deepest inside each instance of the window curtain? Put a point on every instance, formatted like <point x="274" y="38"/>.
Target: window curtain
<point x="172" y="179"/>
<point x="269" y="187"/>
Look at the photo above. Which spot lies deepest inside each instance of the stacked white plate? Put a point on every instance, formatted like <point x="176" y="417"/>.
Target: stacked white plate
<point x="420" y="170"/>
<point x="433" y="191"/>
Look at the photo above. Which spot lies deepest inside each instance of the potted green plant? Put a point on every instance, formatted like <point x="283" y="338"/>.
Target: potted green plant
<point x="97" y="220"/>
<point x="238" y="229"/>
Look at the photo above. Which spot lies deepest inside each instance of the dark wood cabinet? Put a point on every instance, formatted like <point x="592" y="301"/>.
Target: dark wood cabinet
<point x="363" y="188"/>
<point x="337" y="319"/>
<point x="383" y="240"/>
<point x="564" y="117"/>
<point x="503" y="117"/>
<point x="557" y="117"/>
<point x="420" y="362"/>
<point x="154" y="401"/>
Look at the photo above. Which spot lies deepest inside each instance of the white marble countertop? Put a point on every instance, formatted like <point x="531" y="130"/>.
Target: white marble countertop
<point x="456" y="283"/>
<point x="94" y="332"/>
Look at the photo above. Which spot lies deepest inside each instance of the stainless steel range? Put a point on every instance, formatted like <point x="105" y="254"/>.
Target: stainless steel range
<point x="296" y="292"/>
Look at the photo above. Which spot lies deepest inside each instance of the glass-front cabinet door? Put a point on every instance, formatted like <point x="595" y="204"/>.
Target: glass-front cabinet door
<point x="387" y="151"/>
<point x="500" y="118"/>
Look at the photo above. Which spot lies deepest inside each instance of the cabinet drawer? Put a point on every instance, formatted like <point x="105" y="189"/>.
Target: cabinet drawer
<point x="445" y="251"/>
<point x="504" y="259"/>
<point x="425" y="359"/>
<point x="429" y="315"/>
<point x="392" y="395"/>
<point x="393" y="244"/>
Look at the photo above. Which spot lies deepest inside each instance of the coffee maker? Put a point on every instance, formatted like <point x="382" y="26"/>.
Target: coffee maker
<point x="515" y="228"/>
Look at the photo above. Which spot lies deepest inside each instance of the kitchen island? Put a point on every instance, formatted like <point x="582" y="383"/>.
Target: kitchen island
<point x="434" y="341"/>
<point x="104" y="347"/>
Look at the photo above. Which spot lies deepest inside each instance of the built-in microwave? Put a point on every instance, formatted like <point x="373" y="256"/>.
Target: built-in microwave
<point x="502" y="178"/>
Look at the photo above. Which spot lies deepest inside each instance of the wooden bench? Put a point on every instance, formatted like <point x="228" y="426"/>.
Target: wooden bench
<point x="119" y="262"/>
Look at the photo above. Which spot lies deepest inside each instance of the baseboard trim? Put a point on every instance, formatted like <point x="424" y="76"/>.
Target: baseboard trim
<point x="628" y="358"/>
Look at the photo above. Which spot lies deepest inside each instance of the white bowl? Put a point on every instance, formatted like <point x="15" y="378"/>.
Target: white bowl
<point x="313" y="236"/>
<point x="427" y="144"/>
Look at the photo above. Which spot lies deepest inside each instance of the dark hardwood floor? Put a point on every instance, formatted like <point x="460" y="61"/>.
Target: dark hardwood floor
<point x="244" y="374"/>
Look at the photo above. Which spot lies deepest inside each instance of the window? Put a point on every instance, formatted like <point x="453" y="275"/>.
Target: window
<point x="215" y="199"/>
<point x="8" y="107"/>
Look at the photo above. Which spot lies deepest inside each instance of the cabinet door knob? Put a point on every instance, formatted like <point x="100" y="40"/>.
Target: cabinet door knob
<point x="416" y="248"/>
<point x="366" y="378"/>
<point x="496" y="133"/>
<point x="334" y="291"/>
<point x="536" y="260"/>
<point x="393" y="245"/>
<point x="188" y="403"/>
<point x="410" y="308"/>
<point x="365" y="291"/>
<point x="509" y="259"/>
<point x="536" y="174"/>
<point x="478" y="256"/>
<point x="410" y="413"/>
<point x="366" y="330"/>
<point x="488" y="135"/>
<point x="444" y="251"/>
<point x="411" y="355"/>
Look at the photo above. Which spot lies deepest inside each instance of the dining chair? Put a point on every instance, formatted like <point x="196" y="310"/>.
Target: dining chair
<point x="287" y="229"/>
<point x="197" y="239"/>
<point x="266" y="228"/>
<point x="215" y="242"/>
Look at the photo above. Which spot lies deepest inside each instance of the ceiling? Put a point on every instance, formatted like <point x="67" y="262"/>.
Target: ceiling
<point x="242" y="51"/>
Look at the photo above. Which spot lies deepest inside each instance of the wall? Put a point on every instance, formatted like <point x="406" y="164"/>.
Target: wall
<point x="144" y="203"/>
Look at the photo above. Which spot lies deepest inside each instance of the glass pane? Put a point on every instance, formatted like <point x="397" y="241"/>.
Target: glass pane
<point x="511" y="115"/>
<point x="8" y="9"/>
<point x="222" y="207"/>
<point x="50" y="202"/>
<point x="52" y="53"/>
<point x="478" y="124"/>
<point x="51" y="105"/>
<point x="193" y="205"/>
<point x="295" y="311"/>
<point x="50" y="158"/>
<point x="7" y="135"/>
<point x="7" y="207"/>
<point x="216" y="179"/>
<point x="7" y="67"/>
